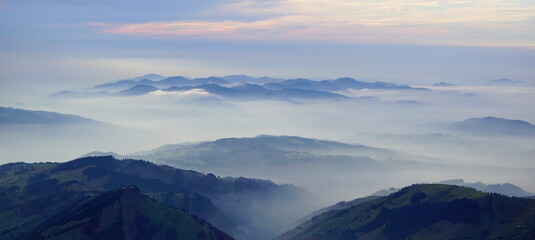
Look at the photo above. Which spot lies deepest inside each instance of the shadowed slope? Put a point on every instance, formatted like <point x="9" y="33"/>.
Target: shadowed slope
<point x="126" y="214"/>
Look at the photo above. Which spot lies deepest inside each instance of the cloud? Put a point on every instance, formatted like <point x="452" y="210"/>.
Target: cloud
<point x="389" y="12"/>
<point x="187" y="28"/>
<point x="193" y="92"/>
<point x="454" y="22"/>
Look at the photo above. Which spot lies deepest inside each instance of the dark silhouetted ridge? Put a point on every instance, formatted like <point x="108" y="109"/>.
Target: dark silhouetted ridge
<point x="125" y="213"/>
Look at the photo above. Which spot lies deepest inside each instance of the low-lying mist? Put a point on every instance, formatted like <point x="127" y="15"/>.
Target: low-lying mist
<point x="384" y="118"/>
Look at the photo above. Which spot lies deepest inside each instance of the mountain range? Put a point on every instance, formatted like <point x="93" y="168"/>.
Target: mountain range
<point x="237" y="87"/>
<point x="31" y="194"/>
<point x="424" y="211"/>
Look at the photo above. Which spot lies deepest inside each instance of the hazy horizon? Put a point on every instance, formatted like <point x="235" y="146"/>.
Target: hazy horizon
<point x="47" y="47"/>
<point x="69" y="45"/>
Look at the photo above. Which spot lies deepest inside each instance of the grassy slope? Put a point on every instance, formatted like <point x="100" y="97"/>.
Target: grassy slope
<point x="31" y="193"/>
<point x="445" y="212"/>
<point x="126" y="214"/>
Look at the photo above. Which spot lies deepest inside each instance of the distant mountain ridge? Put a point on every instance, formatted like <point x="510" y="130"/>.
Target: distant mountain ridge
<point x="20" y="116"/>
<point x="271" y="152"/>
<point x="257" y="92"/>
<point x="318" y="165"/>
<point x="127" y="83"/>
<point x="336" y="85"/>
<point x="137" y="90"/>
<point x="506" y="189"/>
<point x="503" y="82"/>
<point x="486" y="126"/>
<point x="237" y="87"/>
<point x="443" y="84"/>
<point x="249" y="79"/>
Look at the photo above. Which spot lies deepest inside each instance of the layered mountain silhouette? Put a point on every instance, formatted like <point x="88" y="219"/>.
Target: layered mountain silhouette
<point x="318" y="165"/>
<point x="21" y="116"/>
<point x="125" y="213"/>
<point x="248" y="91"/>
<point x="236" y="87"/>
<point x="31" y="194"/>
<point x="272" y="154"/>
<point x="486" y="126"/>
<point x="137" y="90"/>
<point x="425" y="211"/>
<point x="443" y="84"/>
<point x="503" y="82"/>
<point x="249" y="79"/>
<point x="128" y="83"/>
<point x="335" y="85"/>
<point x="162" y="83"/>
<point x="506" y="189"/>
<point x="52" y="136"/>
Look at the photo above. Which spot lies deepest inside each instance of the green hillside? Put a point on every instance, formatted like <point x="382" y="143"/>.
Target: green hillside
<point x="426" y="211"/>
<point x="32" y="193"/>
<point x="125" y="213"/>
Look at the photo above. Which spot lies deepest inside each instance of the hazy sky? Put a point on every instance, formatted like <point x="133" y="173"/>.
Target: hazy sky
<point x="47" y="46"/>
<point x="58" y="44"/>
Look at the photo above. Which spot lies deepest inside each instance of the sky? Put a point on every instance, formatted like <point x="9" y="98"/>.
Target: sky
<point x="46" y="45"/>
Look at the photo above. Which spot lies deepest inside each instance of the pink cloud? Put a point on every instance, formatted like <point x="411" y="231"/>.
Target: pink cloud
<point x="185" y="28"/>
<point x="441" y="22"/>
<point x="282" y="29"/>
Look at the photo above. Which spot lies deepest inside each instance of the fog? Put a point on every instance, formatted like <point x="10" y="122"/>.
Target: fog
<point x="391" y="125"/>
<point x="386" y="119"/>
<point x="61" y="143"/>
